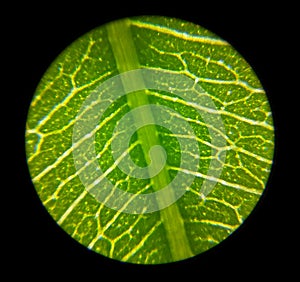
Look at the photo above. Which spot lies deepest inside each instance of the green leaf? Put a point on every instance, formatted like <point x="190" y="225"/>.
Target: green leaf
<point x="149" y="140"/>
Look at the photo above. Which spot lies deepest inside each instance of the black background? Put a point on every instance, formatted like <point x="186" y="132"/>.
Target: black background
<point x="36" y="247"/>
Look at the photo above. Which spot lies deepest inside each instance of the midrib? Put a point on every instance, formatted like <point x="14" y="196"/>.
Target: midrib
<point x="123" y="47"/>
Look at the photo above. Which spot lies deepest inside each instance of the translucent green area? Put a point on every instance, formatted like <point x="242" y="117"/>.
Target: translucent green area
<point x="171" y="45"/>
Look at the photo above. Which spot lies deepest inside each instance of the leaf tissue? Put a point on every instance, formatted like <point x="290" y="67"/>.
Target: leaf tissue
<point x="149" y="140"/>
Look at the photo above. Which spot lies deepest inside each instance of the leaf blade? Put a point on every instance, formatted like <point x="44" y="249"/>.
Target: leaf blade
<point x="176" y="47"/>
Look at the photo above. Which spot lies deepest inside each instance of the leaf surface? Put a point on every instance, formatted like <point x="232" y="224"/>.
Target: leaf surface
<point x="239" y="165"/>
